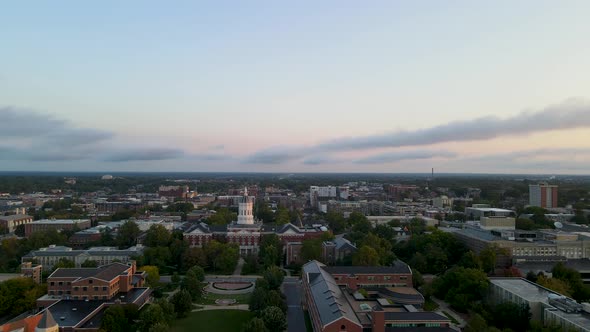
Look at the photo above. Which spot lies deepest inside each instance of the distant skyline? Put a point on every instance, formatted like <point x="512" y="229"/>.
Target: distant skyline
<point x="342" y="86"/>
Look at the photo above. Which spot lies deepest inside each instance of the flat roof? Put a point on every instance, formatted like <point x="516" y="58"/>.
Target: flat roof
<point x="488" y="209"/>
<point x="60" y="221"/>
<point x="525" y="289"/>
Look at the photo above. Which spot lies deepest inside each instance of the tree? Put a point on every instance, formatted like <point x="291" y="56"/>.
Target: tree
<point x="311" y="249"/>
<point x="488" y="259"/>
<point x="512" y="316"/>
<point x="555" y="285"/>
<point x="19" y="295"/>
<point x="175" y="278"/>
<point x="159" y="327"/>
<point x="114" y="320"/>
<point x="476" y="324"/>
<point x="470" y="260"/>
<point x="192" y="257"/>
<point x="158" y="256"/>
<point x="150" y="316"/>
<point x="282" y="216"/>
<point x="192" y="282"/>
<point x="157" y="235"/>
<point x="20" y="230"/>
<point x="168" y="309"/>
<point x="258" y="299"/>
<point x="153" y="274"/>
<point x="461" y="287"/>
<point x="336" y="222"/>
<point x="365" y="256"/>
<point x="274" y="277"/>
<point x="89" y="263"/>
<point x="275" y="299"/>
<point x="182" y="302"/>
<point x="274" y="319"/>
<point x="271" y="249"/>
<point x="254" y="325"/>
<point x="127" y="234"/>
<point x="64" y="263"/>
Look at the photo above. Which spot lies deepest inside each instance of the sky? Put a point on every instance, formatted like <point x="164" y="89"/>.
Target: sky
<point x="302" y="86"/>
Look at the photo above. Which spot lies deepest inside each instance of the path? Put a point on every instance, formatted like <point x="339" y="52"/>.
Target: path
<point x="222" y="307"/>
<point x="443" y="306"/>
<point x="239" y="266"/>
<point x="295" y="317"/>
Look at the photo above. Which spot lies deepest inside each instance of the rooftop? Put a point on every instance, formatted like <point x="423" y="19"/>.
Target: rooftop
<point x="398" y="267"/>
<point x="15" y="217"/>
<point x="105" y="272"/>
<point x="60" y="221"/>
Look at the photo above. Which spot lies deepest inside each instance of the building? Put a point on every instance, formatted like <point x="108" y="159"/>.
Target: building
<point x="546" y="305"/>
<point x="57" y="224"/>
<point x="497" y="222"/>
<point x="355" y="277"/>
<point x="10" y="223"/>
<point x="318" y="194"/>
<point x="50" y="256"/>
<point x="27" y="269"/>
<point x="477" y="211"/>
<point x="333" y="306"/>
<point x="246" y="232"/>
<point x="543" y="195"/>
<point x="337" y="250"/>
<point x="173" y="191"/>
<point x="78" y="297"/>
<point x="442" y="202"/>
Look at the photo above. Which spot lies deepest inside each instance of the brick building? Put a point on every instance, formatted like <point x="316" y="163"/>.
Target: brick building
<point x="13" y="221"/>
<point x="57" y="224"/>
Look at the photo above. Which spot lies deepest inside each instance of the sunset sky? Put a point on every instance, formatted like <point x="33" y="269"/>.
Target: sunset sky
<point x="305" y="86"/>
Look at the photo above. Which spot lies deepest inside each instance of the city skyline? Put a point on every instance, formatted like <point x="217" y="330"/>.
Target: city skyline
<point x="383" y="87"/>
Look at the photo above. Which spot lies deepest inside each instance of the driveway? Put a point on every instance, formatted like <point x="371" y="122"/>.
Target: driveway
<point x="295" y="318"/>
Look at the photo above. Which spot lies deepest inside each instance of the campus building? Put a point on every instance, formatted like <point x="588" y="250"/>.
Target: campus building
<point x="546" y="305"/>
<point x="10" y="223"/>
<point x="335" y="306"/>
<point x="57" y="224"/>
<point x="543" y="195"/>
<point x="50" y="256"/>
<point x="247" y="232"/>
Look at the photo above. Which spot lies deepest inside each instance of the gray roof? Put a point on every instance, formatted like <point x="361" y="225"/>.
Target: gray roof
<point x="105" y="272"/>
<point x="15" y="217"/>
<point x="47" y="320"/>
<point x="398" y="267"/>
<point x="412" y="316"/>
<point x="327" y="296"/>
<point x="341" y="242"/>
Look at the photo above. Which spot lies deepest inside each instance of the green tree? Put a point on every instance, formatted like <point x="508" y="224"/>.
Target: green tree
<point x="159" y="327"/>
<point x="64" y="263"/>
<point x="254" y="325"/>
<point x="258" y="300"/>
<point x="274" y="319"/>
<point x="365" y="256"/>
<point x="336" y="222"/>
<point x="512" y="316"/>
<point x="19" y="295"/>
<point x="271" y="249"/>
<point x="488" y="259"/>
<point x="311" y="249"/>
<point x="182" y="302"/>
<point x="168" y="309"/>
<point x="157" y="235"/>
<point x="470" y="260"/>
<point x="555" y="285"/>
<point x="153" y="275"/>
<point x="127" y="234"/>
<point x="194" y="256"/>
<point x="192" y="282"/>
<point x="150" y="316"/>
<point x="461" y="287"/>
<point x="175" y="278"/>
<point x="89" y="263"/>
<point x="274" y="277"/>
<point x="114" y="320"/>
<point x="283" y="216"/>
<point x="157" y="256"/>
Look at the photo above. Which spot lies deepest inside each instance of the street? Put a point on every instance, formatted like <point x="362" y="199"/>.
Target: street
<point x="295" y="318"/>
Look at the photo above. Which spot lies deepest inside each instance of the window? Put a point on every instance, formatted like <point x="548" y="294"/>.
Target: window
<point x="403" y="278"/>
<point x="76" y="288"/>
<point x="60" y="283"/>
<point x="95" y="288"/>
<point x="52" y="283"/>
<point x="85" y="288"/>
<point x="95" y="297"/>
<point x="387" y="278"/>
<point x="343" y="327"/>
<point x="371" y="278"/>
<point x="104" y="288"/>
<point x="90" y="281"/>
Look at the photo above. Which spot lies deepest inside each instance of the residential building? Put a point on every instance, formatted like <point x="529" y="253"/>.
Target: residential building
<point x="50" y="256"/>
<point x="547" y="306"/>
<point x="33" y="271"/>
<point x="543" y="195"/>
<point x="10" y="223"/>
<point x="57" y="224"/>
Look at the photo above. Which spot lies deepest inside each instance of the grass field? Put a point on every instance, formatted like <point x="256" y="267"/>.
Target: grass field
<point x="212" y="320"/>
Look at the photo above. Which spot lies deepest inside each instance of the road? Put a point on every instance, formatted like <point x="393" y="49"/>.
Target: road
<point x="295" y="318"/>
<point x="214" y="278"/>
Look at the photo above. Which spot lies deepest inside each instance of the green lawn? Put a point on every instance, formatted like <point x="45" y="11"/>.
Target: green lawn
<point x="209" y="298"/>
<point x="212" y="320"/>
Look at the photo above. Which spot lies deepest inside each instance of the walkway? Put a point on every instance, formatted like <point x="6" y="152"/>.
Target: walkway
<point x="239" y="266"/>
<point x="222" y="307"/>
<point x="443" y="306"/>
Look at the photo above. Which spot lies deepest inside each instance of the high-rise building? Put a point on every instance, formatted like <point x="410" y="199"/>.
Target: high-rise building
<point x="543" y="195"/>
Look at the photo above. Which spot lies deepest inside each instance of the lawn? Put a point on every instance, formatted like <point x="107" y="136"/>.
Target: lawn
<point x="209" y="298"/>
<point x="212" y="320"/>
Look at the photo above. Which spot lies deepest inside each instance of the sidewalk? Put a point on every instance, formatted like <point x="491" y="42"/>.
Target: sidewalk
<point x="443" y="306"/>
<point x="222" y="307"/>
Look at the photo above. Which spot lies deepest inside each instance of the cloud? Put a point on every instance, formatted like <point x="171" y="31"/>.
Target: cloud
<point x="145" y="155"/>
<point x="392" y="157"/>
<point x="321" y="160"/>
<point x="571" y="114"/>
